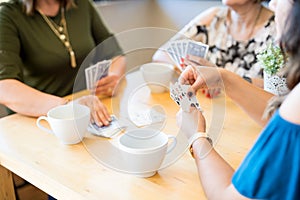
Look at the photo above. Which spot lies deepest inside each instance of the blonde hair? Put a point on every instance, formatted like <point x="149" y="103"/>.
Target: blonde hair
<point x="29" y="5"/>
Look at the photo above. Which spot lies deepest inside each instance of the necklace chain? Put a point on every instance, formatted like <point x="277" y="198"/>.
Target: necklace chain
<point x="61" y="32"/>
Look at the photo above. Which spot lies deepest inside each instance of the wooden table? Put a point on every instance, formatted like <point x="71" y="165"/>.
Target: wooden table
<point x="72" y="172"/>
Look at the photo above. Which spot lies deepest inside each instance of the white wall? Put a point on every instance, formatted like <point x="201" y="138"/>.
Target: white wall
<point x="142" y="26"/>
<point x="172" y="14"/>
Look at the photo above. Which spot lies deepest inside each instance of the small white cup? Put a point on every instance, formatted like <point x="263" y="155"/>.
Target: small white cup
<point x="68" y="122"/>
<point x="157" y="76"/>
<point x="144" y="150"/>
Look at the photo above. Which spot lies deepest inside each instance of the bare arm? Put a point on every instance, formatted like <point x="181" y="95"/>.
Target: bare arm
<point x="118" y="66"/>
<point x="290" y="108"/>
<point x="26" y="100"/>
<point x="251" y="99"/>
<point x="214" y="172"/>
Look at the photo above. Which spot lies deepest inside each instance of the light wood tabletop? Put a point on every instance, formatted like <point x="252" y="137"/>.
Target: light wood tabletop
<point x="77" y="171"/>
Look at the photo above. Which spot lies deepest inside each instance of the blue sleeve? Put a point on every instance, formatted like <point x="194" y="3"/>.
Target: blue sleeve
<point x="271" y="170"/>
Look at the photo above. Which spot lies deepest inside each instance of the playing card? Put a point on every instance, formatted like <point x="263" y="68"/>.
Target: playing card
<point x="87" y="79"/>
<point x="146" y="117"/>
<point x="176" y="53"/>
<point x="96" y="72"/>
<point x="178" y="93"/>
<point x="192" y="101"/>
<point x="171" y="54"/>
<point x="184" y="47"/>
<point x="90" y="76"/>
<point x="179" y="49"/>
<point x="106" y="131"/>
<point x="103" y="68"/>
<point x="196" y="49"/>
<point x="178" y="45"/>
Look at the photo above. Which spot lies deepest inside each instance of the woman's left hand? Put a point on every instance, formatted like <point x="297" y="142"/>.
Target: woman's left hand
<point x="107" y="85"/>
<point x="191" y="122"/>
<point x="99" y="112"/>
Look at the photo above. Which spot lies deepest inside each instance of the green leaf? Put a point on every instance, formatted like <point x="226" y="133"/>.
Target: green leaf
<point x="272" y="59"/>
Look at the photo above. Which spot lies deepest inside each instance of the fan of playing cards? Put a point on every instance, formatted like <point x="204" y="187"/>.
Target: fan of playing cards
<point x="95" y="73"/>
<point x="178" y="93"/>
<point x="179" y="49"/>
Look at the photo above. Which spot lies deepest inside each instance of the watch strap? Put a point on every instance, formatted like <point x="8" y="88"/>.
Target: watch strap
<point x="195" y="137"/>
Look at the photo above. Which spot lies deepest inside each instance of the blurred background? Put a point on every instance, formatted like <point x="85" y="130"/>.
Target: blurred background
<point x="127" y="18"/>
<point x="141" y="26"/>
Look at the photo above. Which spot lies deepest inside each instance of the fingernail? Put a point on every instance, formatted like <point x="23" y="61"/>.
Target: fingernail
<point x="203" y="91"/>
<point x="99" y="124"/>
<point x="208" y="95"/>
<point x="190" y="94"/>
<point x="182" y="60"/>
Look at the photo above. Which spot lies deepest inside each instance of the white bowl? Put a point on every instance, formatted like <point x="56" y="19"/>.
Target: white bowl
<point x="143" y="150"/>
<point x="157" y="76"/>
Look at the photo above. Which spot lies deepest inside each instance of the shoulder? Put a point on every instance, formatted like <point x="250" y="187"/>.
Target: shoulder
<point x="267" y="18"/>
<point x="10" y="5"/>
<point x="206" y="17"/>
<point x="290" y="108"/>
<point x="10" y="11"/>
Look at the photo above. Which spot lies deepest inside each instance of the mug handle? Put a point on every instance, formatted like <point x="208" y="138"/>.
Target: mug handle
<point x="173" y="145"/>
<point x="41" y="126"/>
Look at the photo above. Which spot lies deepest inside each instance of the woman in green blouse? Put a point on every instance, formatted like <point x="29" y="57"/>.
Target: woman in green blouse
<point x="42" y="46"/>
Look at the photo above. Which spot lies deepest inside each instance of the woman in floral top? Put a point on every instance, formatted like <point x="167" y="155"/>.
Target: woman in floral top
<point x="235" y="35"/>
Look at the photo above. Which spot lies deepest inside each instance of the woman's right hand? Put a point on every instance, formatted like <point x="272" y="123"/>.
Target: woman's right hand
<point x="201" y="77"/>
<point x="99" y="112"/>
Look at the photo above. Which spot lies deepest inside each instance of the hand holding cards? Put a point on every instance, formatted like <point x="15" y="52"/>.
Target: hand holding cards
<point x="179" y="94"/>
<point x="179" y="49"/>
<point x="96" y="72"/>
<point x="106" y="131"/>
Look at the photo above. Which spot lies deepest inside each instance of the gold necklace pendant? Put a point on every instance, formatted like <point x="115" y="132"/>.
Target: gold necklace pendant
<point x="62" y="37"/>
<point x="61" y="32"/>
<point x="61" y="29"/>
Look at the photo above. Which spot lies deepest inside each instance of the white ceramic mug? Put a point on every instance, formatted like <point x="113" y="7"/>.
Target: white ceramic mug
<point x="157" y="76"/>
<point x="68" y="122"/>
<point x="144" y="150"/>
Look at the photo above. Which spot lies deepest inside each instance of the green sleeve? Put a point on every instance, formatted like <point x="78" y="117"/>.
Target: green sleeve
<point x="10" y="60"/>
<point x="106" y="41"/>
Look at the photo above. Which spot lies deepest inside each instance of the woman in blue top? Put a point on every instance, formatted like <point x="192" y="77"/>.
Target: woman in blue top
<point x="271" y="170"/>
